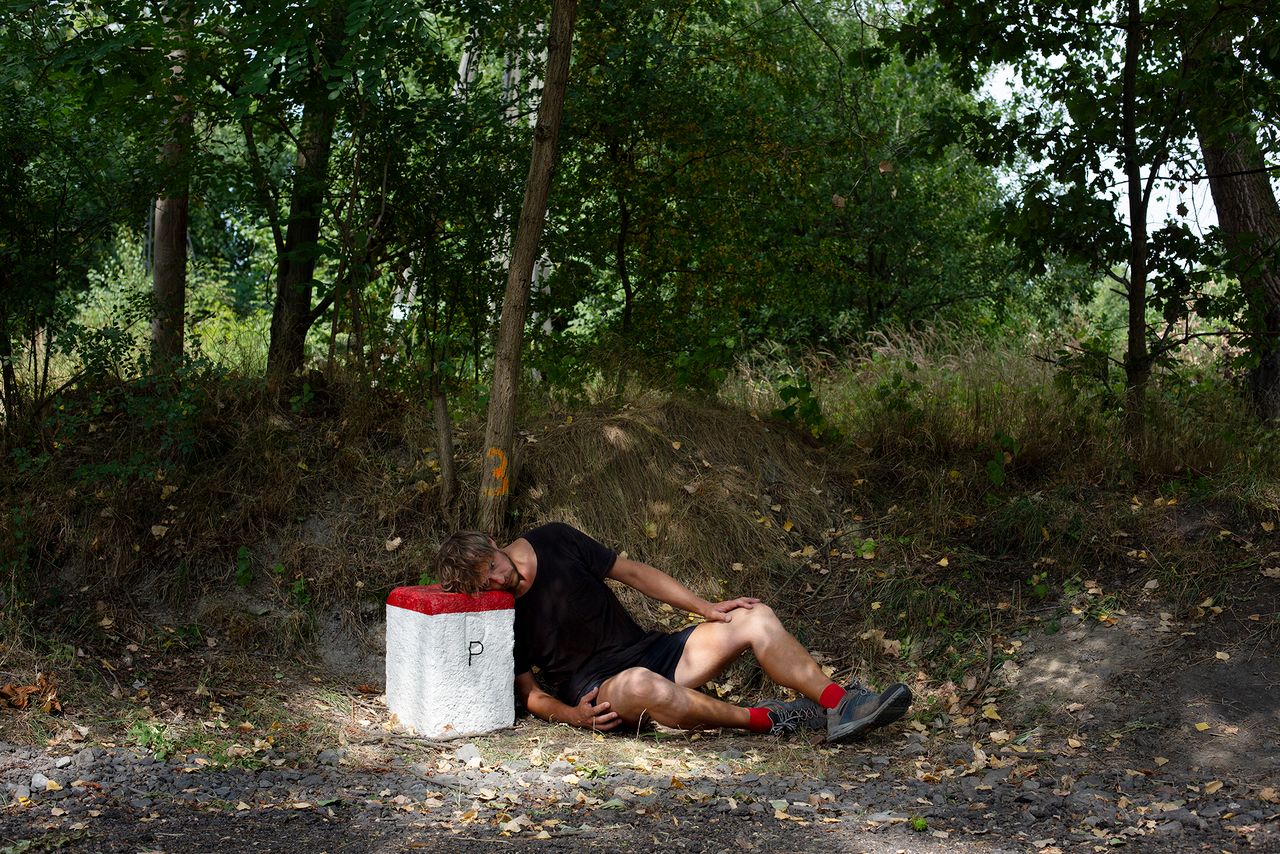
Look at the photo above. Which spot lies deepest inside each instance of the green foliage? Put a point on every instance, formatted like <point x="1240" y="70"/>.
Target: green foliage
<point x="244" y="567"/>
<point x="155" y="738"/>
<point x="1003" y="450"/>
<point x="803" y="407"/>
<point x="15" y="560"/>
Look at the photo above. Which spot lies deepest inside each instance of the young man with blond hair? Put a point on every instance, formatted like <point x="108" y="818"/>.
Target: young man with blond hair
<point x="596" y="668"/>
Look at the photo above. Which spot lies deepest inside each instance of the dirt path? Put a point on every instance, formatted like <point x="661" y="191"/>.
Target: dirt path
<point x="1098" y="730"/>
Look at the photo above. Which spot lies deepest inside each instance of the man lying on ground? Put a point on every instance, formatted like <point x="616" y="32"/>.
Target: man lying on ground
<point x="601" y="670"/>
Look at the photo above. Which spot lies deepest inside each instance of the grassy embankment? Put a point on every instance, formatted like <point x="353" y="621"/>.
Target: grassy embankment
<point x="959" y="492"/>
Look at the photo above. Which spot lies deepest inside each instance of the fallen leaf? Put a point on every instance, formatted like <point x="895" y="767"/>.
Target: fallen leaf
<point x="990" y="713"/>
<point x="1222" y="656"/>
<point x="52" y="786"/>
<point x="1212" y="786"/>
<point x="675" y="445"/>
<point x="737" y="567"/>
<point x="1074" y="742"/>
<point x="651" y="530"/>
<point x="1202" y="726"/>
<point x="159" y="531"/>
<point x="394" y="543"/>
<point x="365" y="688"/>
<point x="1160" y="760"/>
<point x="788" y="525"/>
<point x="944" y="562"/>
<point x="1268" y="526"/>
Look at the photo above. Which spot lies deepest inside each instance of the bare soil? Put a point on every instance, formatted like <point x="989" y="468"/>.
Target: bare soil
<point x="1099" y="727"/>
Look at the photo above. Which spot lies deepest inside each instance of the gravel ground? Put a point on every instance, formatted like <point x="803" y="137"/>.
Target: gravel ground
<point x="121" y="800"/>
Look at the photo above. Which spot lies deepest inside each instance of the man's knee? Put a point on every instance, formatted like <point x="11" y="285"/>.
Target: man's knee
<point x="759" y="618"/>
<point x="638" y="687"/>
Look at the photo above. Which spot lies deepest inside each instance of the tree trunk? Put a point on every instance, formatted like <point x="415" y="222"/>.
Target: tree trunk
<point x="169" y="269"/>
<point x="444" y="447"/>
<point x="10" y="379"/>
<point x="1247" y="213"/>
<point x="291" y="315"/>
<point x="169" y="246"/>
<point x="500" y="428"/>
<point x="620" y="262"/>
<point x="1137" y="360"/>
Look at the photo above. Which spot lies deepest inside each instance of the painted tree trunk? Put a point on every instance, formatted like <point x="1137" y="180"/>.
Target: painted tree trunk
<point x="497" y="473"/>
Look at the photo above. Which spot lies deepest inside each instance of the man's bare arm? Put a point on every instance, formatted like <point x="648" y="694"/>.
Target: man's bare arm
<point x="587" y="714"/>
<point x="656" y="584"/>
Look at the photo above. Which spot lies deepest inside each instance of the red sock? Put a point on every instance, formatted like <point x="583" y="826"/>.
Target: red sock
<point x="760" y="720"/>
<point x="831" y="696"/>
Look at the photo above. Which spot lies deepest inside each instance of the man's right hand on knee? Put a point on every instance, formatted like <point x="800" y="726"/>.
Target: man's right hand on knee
<point x="589" y="714"/>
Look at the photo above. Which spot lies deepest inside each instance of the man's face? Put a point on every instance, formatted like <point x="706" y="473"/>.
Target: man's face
<point x="501" y="574"/>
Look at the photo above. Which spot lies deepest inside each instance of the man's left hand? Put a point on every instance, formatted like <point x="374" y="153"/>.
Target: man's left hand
<point x="720" y="611"/>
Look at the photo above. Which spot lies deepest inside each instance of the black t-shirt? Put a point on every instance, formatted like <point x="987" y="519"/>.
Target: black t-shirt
<point x="569" y="624"/>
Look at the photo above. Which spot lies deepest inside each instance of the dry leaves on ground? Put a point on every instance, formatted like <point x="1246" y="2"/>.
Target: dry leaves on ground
<point x="44" y="690"/>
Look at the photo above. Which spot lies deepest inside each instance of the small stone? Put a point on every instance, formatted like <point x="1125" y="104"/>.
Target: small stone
<point x="22" y="792"/>
<point x="330" y="757"/>
<point x="467" y="752"/>
<point x="1169" y="828"/>
<point x="86" y="757"/>
<point x="559" y="768"/>
<point x="62" y="762"/>
<point x="39" y="781"/>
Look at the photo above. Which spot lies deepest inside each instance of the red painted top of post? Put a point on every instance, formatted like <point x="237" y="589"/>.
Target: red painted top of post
<point x="430" y="599"/>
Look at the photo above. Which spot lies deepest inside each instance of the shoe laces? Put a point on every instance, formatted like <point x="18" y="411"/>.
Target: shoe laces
<point x="787" y="717"/>
<point x="858" y="690"/>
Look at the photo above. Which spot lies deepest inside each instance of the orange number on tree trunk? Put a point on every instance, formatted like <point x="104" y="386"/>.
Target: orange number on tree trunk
<point x="498" y="474"/>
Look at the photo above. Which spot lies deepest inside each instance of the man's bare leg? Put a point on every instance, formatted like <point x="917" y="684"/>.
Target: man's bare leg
<point x="638" y="693"/>
<point x="712" y="647"/>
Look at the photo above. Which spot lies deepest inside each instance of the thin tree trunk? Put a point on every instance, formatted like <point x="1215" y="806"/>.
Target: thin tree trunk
<point x="444" y="447"/>
<point x="292" y="315"/>
<point x="169" y="248"/>
<point x="169" y="270"/>
<point x="620" y="261"/>
<point x="1137" y="361"/>
<point x="495" y="479"/>
<point x="12" y="404"/>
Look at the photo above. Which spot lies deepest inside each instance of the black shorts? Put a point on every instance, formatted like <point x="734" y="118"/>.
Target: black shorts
<point x="662" y="657"/>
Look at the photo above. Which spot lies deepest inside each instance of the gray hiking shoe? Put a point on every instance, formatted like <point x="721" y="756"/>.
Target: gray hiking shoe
<point x="790" y="716"/>
<point x="863" y="710"/>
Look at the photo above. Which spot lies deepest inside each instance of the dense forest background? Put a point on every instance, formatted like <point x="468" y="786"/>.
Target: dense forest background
<point x="254" y="258"/>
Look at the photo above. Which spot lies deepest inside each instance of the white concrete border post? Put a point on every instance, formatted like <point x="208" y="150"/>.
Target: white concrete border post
<point x="450" y="661"/>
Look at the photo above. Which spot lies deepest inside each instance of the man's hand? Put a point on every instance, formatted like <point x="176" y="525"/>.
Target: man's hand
<point x="592" y="715"/>
<point x="719" y="612"/>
